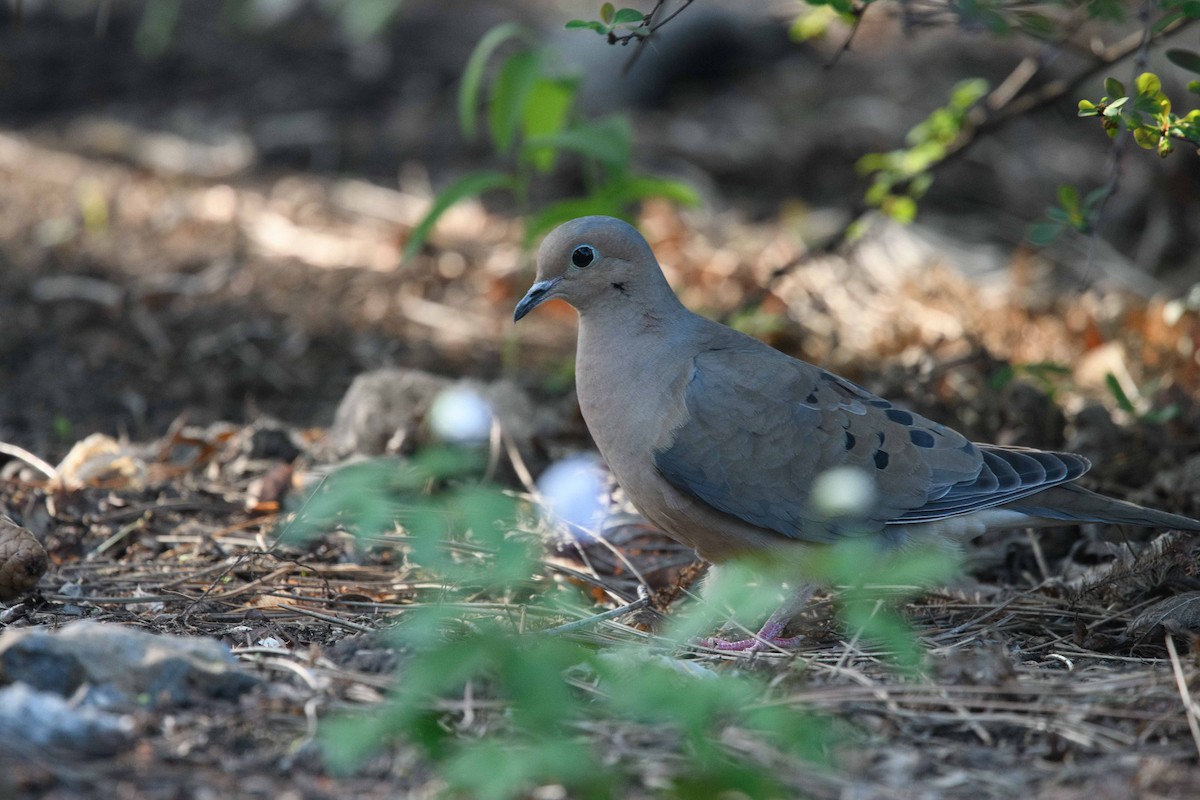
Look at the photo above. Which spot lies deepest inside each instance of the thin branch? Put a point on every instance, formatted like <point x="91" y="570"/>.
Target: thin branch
<point x="858" y="12"/>
<point x="652" y="26"/>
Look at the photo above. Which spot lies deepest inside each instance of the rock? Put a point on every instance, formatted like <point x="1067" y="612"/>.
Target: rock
<point x="124" y="663"/>
<point x="30" y="719"/>
<point x="384" y="411"/>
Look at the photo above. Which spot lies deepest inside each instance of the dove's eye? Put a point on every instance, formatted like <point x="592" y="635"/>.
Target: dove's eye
<point x="583" y="255"/>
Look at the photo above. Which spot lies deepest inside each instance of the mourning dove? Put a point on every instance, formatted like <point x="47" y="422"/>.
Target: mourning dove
<point x="718" y="439"/>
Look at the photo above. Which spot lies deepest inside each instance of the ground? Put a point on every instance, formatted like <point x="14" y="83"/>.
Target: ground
<point x="210" y="318"/>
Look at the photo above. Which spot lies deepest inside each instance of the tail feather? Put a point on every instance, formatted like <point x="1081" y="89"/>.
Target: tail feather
<point x="1071" y="503"/>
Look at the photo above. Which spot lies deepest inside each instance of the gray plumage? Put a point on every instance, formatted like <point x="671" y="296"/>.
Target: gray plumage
<point x="718" y="438"/>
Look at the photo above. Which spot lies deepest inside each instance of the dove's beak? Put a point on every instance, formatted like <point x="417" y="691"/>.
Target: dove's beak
<point x="537" y="294"/>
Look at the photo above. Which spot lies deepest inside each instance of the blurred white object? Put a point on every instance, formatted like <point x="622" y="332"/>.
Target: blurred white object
<point x="572" y="490"/>
<point x="843" y="492"/>
<point x="461" y="416"/>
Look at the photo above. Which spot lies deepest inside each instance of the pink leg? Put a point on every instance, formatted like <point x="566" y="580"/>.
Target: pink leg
<point x="768" y="636"/>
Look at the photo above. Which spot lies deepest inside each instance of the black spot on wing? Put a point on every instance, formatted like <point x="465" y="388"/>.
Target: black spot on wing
<point x="881" y="459"/>
<point x="879" y="403"/>
<point x="896" y="415"/>
<point x="921" y="438"/>
<point x="850" y="440"/>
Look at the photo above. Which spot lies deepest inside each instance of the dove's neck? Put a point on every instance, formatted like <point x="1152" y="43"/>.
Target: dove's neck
<point x="629" y="355"/>
<point x="627" y="327"/>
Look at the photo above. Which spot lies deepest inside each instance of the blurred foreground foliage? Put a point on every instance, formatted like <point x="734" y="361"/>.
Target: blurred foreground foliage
<point x="500" y="704"/>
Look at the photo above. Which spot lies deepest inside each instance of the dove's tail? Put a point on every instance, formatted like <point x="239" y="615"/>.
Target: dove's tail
<point x="1070" y="503"/>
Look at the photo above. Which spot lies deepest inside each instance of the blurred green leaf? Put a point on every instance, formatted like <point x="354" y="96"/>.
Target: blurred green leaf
<point x="1114" y="88"/>
<point x="627" y="15"/>
<point x="1161" y="415"/>
<point x="1118" y="393"/>
<point x="546" y="113"/>
<point x="1041" y="234"/>
<point x="492" y="770"/>
<point x="901" y="208"/>
<point x="1002" y="377"/>
<point x="1186" y="59"/>
<point x="156" y="28"/>
<point x="472" y="78"/>
<point x="1068" y="198"/>
<point x="576" y="24"/>
<point x="631" y="188"/>
<point x="510" y="93"/>
<point x="606" y="13"/>
<point x="1094" y="197"/>
<point x="607" y="141"/>
<point x="470" y="186"/>
<point x="1037" y="25"/>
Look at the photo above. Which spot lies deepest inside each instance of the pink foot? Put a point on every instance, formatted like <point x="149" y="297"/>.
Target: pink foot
<point x="767" y="638"/>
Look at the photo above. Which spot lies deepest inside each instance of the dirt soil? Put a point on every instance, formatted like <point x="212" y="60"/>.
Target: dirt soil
<point x="212" y="317"/>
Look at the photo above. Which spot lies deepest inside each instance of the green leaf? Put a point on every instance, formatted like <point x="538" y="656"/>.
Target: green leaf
<point x="510" y="93"/>
<point x="546" y="113"/>
<point x="607" y="141"/>
<point x="598" y="27"/>
<point x="640" y="187"/>
<point x="470" y="186"/>
<point x="1147" y="138"/>
<point x="1194" y="87"/>
<point x="966" y="93"/>
<point x="1114" y="387"/>
<point x="1002" y="377"/>
<point x="1041" y="234"/>
<point x="901" y="208"/>
<point x="1114" y="107"/>
<point x="1114" y="88"/>
<point x="1068" y="198"/>
<point x="606" y="13"/>
<point x="472" y="79"/>
<point x="626" y="15"/>
<point x="1187" y="59"/>
<point x="1148" y="84"/>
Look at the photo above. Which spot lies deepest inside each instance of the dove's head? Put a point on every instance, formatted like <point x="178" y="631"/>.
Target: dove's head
<point x="592" y="262"/>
